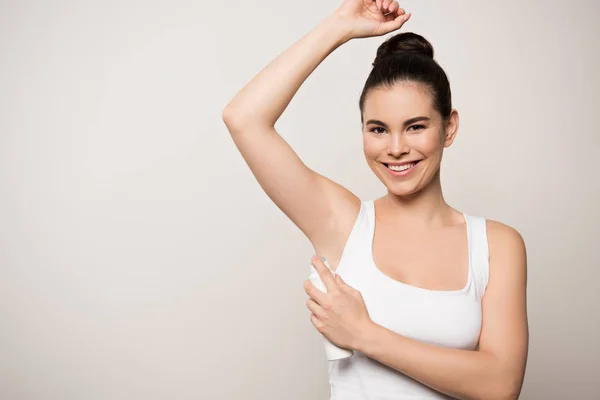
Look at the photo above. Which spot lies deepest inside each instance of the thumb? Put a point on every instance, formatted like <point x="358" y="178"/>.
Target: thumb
<point x="396" y="23"/>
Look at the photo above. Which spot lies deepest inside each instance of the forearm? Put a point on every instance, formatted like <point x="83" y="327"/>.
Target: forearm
<point x="463" y="374"/>
<point x="267" y="95"/>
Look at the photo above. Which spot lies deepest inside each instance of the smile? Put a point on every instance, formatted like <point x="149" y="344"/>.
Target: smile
<point x="401" y="170"/>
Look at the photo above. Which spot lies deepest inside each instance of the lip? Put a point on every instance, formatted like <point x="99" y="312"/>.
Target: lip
<point x="401" y="173"/>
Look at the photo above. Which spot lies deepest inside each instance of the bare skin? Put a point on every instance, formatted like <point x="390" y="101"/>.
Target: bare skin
<point x="413" y="211"/>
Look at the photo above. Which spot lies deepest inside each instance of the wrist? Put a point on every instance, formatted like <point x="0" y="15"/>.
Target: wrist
<point x="339" y="27"/>
<point x="366" y="336"/>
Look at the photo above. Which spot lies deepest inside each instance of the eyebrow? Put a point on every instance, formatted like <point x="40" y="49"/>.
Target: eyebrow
<point x="406" y="123"/>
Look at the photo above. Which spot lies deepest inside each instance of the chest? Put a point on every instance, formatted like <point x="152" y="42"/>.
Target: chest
<point x="433" y="259"/>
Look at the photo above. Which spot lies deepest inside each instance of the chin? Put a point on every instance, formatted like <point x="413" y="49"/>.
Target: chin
<point x="403" y="190"/>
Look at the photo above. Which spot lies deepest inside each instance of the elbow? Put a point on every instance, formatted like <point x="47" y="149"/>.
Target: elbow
<point x="498" y="386"/>
<point x="228" y="115"/>
<point x="236" y="120"/>
<point x="506" y="388"/>
<point x="512" y="391"/>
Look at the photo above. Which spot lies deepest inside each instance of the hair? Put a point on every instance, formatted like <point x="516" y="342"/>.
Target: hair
<point x="408" y="57"/>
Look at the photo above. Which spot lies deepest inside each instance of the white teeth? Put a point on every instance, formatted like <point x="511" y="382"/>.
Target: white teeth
<point x="401" y="167"/>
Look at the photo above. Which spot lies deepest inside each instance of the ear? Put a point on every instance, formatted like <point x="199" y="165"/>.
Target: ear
<point x="451" y="128"/>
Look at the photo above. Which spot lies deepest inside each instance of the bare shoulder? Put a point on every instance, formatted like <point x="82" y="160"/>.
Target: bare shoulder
<point x="506" y="246"/>
<point x="502" y="236"/>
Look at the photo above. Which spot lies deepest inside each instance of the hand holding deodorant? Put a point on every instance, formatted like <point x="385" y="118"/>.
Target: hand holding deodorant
<point x="332" y="351"/>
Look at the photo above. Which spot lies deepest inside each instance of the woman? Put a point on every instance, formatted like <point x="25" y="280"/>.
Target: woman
<point x="433" y="301"/>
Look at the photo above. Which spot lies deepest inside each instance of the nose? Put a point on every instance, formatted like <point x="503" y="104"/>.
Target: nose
<point x="397" y="145"/>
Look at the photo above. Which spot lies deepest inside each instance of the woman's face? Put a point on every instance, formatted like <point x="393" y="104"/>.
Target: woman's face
<point x="402" y="130"/>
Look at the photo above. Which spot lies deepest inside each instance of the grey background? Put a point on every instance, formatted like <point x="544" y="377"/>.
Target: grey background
<point x="139" y="258"/>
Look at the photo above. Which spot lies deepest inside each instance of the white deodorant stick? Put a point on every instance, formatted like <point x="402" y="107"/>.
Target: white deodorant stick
<point x="332" y="351"/>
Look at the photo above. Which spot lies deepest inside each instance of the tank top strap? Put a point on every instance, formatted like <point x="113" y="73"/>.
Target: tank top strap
<point x="364" y="225"/>
<point x="369" y="206"/>
<point x="356" y="250"/>
<point x="478" y="253"/>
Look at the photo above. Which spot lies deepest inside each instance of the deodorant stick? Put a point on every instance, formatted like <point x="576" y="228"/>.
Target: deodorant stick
<point x="332" y="351"/>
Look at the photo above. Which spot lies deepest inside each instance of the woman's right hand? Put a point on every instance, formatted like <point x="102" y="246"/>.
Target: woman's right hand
<point x="366" y="18"/>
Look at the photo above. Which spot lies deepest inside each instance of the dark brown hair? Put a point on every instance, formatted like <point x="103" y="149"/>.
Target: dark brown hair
<point x="408" y="56"/>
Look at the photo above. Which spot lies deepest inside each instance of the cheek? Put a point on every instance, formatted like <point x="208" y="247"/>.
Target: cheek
<point x="370" y="149"/>
<point x="429" y="144"/>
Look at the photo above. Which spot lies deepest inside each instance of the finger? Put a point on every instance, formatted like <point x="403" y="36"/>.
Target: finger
<point x="315" y="321"/>
<point x="395" y="23"/>
<point x="378" y="3"/>
<point x="395" y="7"/>
<point x="325" y="274"/>
<point x="316" y="309"/>
<point x="386" y="5"/>
<point x="314" y="293"/>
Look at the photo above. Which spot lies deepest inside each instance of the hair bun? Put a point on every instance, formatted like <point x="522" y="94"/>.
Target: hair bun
<point x="404" y="43"/>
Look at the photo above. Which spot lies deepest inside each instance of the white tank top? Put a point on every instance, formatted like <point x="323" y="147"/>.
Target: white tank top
<point x="444" y="318"/>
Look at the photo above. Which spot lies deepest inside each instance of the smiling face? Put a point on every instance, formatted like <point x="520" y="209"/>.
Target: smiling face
<point x="404" y="136"/>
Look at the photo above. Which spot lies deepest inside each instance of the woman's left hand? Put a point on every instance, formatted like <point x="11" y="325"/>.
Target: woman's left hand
<point x="340" y="314"/>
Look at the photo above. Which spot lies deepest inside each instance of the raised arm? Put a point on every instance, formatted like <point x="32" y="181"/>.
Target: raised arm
<point x="318" y="206"/>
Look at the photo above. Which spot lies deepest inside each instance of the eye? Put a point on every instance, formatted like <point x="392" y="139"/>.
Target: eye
<point x="376" y="127"/>
<point x="417" y="126"/>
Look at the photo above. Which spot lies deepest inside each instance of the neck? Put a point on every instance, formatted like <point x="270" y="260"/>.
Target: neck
<point x="426" y="208"/>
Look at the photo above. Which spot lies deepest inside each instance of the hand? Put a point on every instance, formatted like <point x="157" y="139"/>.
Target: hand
<point x="366" y="18"/>
<point x="340" y="314"/>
